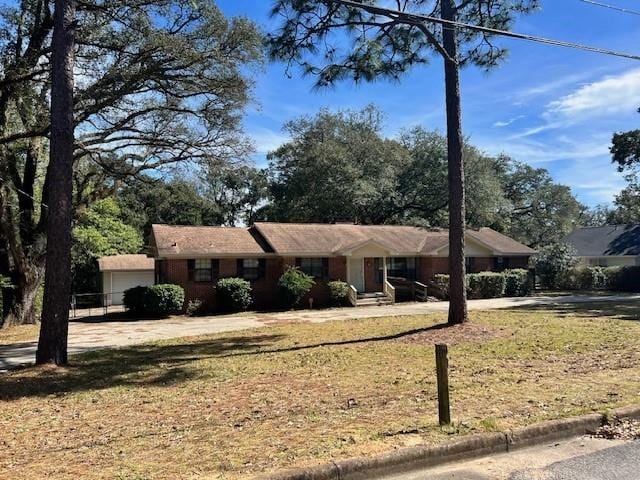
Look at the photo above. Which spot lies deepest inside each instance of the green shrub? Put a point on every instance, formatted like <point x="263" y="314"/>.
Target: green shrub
<point x="591" y="278"/>
<point x="339" y="291"/>
<point x="234" y="294"/>
<point x="156" y="300"/>
<point x="194" y="308"/>
<point x="294" y="285"/>
<point x="134" y="300"/>
<point x="517" y="283"/>
<point x="554" y="264"/>
<point x="611" y="274"/>
<point x="626" y="279"/>
<point x="440" y="286"/>
<point x="164" y="299"/>
<point x="485" y="285"/>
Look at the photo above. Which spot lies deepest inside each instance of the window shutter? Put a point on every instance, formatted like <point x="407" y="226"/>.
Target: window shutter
<point x="240" y="268"/>
<point x="215" y="269"/>
<point x="325" y="268"/>
<point x="262" y="267"/>
<point x="191" y="265"/>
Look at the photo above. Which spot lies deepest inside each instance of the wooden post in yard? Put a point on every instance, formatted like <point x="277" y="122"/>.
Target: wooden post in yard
<point x="442" y="371"/>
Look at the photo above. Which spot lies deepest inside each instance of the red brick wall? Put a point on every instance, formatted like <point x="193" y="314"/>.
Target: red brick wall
<point x="265" y="290"/>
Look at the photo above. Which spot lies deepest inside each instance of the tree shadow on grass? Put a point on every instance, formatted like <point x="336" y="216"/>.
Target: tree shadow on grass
<point x="629" y="311"/>
<point x="130" y="366"/>
<point x="138" y="365"/>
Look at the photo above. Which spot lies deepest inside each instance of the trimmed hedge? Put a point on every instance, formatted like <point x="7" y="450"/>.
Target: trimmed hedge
<point x="485" y="285"/>
<point x="621" y="279"/>
<point x="134" y="300"/>
<point x="624" y="279"/>
<point x="339" y="291"/>
<point x="294" y="284"/>
<point x="155" y="300"/>
<point x="234" y="294"/>
<point x="510" y="283"/>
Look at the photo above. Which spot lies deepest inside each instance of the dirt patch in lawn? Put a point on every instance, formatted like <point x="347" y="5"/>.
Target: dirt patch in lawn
<point x="456" y="334"/>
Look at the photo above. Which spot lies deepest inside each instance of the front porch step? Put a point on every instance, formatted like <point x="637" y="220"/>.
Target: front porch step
<point x="372" y="299"/>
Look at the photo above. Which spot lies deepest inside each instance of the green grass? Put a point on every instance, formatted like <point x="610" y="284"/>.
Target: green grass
<point x="232" y="405"/>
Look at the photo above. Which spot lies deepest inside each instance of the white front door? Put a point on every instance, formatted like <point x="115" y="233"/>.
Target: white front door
<point x="356" y="273"/>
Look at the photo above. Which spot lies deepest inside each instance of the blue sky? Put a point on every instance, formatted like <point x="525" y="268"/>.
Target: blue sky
<point x="548" y="106"/>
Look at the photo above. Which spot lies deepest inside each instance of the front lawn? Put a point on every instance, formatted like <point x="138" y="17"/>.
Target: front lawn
<point x="232" y="405"/>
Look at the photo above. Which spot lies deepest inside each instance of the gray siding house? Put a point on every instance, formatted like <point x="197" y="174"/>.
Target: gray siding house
<point x="607" y="246"/>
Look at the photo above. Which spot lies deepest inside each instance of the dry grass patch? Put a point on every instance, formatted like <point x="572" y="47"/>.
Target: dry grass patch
<point x="232" y="405"/>
<point x="19" y="333"/>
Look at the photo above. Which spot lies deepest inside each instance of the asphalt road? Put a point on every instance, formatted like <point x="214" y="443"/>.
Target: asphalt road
<point x="575" y="459"/>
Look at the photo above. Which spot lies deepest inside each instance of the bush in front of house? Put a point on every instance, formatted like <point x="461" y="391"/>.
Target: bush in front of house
<point x="194" y="308"/>
<point x="440" y="286"/>
<point x="517" y="283"/>
<point x="164" y="299"/>
<point x="625" y="279"/>
<point x="510" y="283"/>
<point x="134" y="300"/>
<point x="234" y="294"/>
<point x="554" y="264"/>
<point x="294" y="285"/>
<point x="339" y="291"/>
<point x="591" y="278"/>
<point x="155" y="300"/>
<point x="485" y="285"/>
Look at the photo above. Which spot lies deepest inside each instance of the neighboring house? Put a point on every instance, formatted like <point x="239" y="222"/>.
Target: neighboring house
<point x="121" y="272"/>
<point x="372" y="259"/>
<point x="607" y="246"/>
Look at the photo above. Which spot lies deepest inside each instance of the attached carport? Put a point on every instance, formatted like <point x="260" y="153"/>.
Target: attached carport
<point x="121" y="272"/>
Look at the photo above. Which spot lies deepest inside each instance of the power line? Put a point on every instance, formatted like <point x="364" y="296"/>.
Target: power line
<point x="612" y="7"/>
<point x="419" y="18"/>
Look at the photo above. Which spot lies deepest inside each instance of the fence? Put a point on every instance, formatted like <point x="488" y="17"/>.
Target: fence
<point x="85" y="305"/>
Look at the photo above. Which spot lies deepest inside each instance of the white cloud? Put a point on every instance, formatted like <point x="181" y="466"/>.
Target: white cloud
<point x="267" y="140"/>
<point x="611" y="95"/>
<point x="506" y="123"/>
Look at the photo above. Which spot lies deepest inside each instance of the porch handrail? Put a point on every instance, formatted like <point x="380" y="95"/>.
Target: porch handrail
<point x="353" y="295"/>
<point x="389" y="291"/>
<point x="420" y="291"/>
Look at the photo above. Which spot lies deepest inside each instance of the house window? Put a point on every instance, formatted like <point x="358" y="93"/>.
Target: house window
<point x="251" y="268"/>
<point x="316" y="267"/>
<point x="470" y="264"/>
<point x="500" y="263"/>
<point x="400" y="267"/>
<point x="202" y="269"/>
<point x="598" y="262"/>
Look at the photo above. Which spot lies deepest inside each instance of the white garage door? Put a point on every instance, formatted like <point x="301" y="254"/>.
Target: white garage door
<point x="121" y="281"/>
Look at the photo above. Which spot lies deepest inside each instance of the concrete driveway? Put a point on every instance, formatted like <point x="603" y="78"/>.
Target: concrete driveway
<point x="87" y="335"/>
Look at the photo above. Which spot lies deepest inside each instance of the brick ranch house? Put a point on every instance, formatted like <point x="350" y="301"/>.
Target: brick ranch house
<point x="380" y="263"/>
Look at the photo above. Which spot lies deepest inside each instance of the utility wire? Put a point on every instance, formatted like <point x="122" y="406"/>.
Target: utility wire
<point x="419" y="18"/>
<point x="612" y="7"/>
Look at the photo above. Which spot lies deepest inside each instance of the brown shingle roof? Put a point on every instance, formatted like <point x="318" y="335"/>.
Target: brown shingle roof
<point x="500" y="243"/>
<point x="186" y="240"/>
<point x="295" y="239"/>
<point x="125" y="262"/>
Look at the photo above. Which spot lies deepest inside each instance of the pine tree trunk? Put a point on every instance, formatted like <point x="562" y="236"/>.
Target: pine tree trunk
<point x="457" y="282"/>
<point x="52" y="345"/>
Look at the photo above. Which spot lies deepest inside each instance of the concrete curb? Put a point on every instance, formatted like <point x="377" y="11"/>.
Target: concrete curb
<point x="422" y="456"/>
